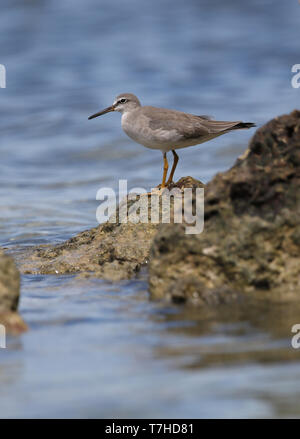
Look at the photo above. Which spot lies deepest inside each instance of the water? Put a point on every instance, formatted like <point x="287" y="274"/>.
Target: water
<point x="96" y="349"/>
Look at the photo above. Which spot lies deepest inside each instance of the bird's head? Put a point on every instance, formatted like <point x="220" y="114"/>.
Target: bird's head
<point x="123" y="103"/>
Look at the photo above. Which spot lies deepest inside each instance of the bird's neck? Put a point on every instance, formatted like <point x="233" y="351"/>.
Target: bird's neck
<point x="127" y="113"/>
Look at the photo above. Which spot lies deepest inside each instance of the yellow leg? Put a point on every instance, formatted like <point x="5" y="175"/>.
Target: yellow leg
<point x="166" y="167"/>
<point x="176" y="158"/>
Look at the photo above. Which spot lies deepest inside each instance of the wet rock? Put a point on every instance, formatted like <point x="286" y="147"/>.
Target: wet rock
<point x="9" y="295"/>
<point x="112" y="251"/>
<point x="250" y="245"/>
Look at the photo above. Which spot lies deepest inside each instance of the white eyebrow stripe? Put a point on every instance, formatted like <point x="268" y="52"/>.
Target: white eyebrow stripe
<point x="119" y="101"/>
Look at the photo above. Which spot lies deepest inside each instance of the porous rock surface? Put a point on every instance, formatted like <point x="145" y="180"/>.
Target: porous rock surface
<point x="112" y="251"/>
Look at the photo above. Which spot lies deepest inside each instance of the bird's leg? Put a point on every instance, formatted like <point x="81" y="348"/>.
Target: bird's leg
<point x="176" y="158"/>
<point x="166" y="167"/>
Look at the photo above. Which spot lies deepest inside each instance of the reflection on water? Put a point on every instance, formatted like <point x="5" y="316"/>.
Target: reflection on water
<point x="246" y="333"/>
<point x="96" y="349"/>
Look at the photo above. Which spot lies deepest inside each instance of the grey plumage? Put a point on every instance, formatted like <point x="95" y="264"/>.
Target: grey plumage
<point x="166" y="130"/>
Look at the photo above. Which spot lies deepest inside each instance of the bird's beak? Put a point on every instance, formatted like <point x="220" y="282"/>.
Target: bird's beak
<point x="106" y="110"/>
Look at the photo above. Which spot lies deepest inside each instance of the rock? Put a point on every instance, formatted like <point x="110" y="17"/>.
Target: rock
<point x="9" y="295"/>
<point x="112" y="251"/>
<point x="9" y="283"/>
<point x="250" y="245"/>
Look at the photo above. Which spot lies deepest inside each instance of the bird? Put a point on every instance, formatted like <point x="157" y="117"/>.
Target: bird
<point x="167" y="130"/>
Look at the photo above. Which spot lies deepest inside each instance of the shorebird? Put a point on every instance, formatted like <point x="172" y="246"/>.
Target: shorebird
<point x="167" y="130"/>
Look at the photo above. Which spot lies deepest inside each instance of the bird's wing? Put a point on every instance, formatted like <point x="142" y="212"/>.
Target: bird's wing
<point x="218" y="126"/>
<point x="187" y="126"/>
<point x="206" y="117"/>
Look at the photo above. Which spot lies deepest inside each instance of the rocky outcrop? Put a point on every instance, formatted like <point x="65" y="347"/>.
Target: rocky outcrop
<point x="250" y="245"/>
<point x="110" y="251"/>
<point x="9" y="295"/>
<point x="113" y="250"/>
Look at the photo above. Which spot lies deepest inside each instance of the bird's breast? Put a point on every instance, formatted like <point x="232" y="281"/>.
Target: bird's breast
<point x="137" y="127"/>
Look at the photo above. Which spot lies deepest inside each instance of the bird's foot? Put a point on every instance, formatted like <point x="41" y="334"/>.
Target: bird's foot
<point x="154" y="191"/>
<point x="158" y="190"/>
<point x="170" y="184"/>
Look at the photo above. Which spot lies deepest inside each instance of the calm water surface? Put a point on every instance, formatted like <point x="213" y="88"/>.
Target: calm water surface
<point x="97" y="349"/>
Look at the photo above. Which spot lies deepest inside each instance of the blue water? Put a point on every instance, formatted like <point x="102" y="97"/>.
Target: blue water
<point x="96" y="349"/>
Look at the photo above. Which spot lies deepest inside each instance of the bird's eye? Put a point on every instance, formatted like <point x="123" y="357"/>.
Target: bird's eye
<point x="122" y="101"/>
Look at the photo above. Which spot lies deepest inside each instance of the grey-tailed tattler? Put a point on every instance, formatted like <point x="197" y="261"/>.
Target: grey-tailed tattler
<point x="167" y="130"/>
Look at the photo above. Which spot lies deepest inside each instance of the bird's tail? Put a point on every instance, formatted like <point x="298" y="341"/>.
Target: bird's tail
<point x="243" y="125"/>
<point x="218" y="126"/>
